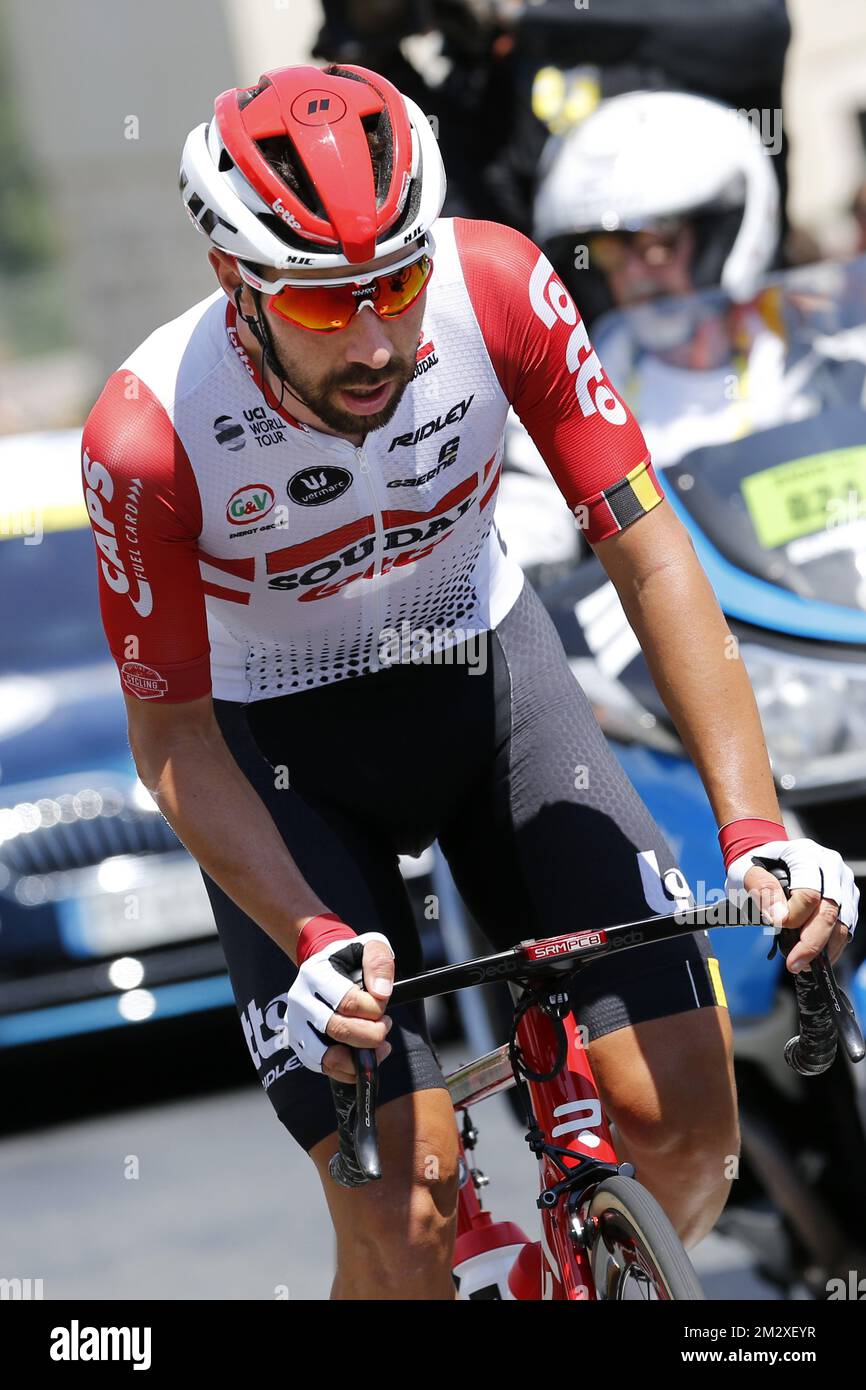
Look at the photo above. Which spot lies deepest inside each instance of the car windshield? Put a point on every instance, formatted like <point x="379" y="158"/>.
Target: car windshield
<point x="49" y="611"/>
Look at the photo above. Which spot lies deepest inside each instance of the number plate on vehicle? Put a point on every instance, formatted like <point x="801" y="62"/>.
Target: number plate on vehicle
<point x="806" y="495"/>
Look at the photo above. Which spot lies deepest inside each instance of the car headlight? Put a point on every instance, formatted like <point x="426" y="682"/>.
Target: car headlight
<point x="812" y="711"/>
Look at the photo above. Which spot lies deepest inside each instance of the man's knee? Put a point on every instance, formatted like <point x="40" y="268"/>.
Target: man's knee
<point x="418" y="1216"/>
<point x="398" y="1233"/>
<point x="672" y="1104"/>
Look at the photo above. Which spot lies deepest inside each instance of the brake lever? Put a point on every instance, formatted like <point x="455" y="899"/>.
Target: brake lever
<point x="834" y="999"/>
<point x="357" y="1159"/>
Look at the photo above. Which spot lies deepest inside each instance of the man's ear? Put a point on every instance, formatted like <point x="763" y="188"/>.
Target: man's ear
<point x="225" y="269"/>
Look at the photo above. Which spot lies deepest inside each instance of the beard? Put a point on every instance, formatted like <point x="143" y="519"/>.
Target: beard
<point x="321" y="396"/>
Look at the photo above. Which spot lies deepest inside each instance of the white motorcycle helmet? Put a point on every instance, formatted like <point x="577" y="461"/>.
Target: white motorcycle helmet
<point x="646" y="156"/>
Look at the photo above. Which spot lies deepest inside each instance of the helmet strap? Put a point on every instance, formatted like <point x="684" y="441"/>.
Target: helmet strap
<point x="248" y="319"/>
<point x="260" y="329"/>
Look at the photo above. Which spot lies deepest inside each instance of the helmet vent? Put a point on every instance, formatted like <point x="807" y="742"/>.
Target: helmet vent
<point x="283" y="158"/>
<point x="380" y="136"/>
<point x="209" y="219"/>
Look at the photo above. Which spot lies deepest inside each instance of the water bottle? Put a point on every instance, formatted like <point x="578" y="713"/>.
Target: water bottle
<point x="483" y="1257"/>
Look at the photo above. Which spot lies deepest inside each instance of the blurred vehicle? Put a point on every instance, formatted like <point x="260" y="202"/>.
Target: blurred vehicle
<point x="104" y="919"/>
<point x="774" y="497"/>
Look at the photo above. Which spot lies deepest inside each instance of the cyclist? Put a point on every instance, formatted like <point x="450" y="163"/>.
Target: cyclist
<point x="305" y="464"/>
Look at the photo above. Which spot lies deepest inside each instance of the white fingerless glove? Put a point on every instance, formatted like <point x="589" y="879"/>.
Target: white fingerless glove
<point x="809" y="865"/>
<point x="322" y="983"/>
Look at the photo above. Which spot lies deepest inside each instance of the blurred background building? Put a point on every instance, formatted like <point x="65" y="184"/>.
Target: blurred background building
<point x="94" y="248"/>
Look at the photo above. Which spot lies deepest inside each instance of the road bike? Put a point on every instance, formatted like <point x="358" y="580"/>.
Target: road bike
<point x="603" y="1236"/>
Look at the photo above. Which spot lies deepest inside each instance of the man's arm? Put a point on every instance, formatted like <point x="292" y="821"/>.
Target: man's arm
<point x="694" y="661"/>
<point x="593" y="446"/>
<point x="142" y="499"/>
<point x="698" y="672"/>
<point x="184" y="762"/>
<point x="143" y="503"/>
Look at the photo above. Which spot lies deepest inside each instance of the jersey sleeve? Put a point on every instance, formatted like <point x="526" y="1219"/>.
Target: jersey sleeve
<point x="145" y="513"/>
<point x="551" y="375"/>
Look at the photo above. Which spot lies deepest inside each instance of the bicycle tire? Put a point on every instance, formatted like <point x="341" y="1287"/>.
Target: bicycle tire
<point x="632" y="1233"/>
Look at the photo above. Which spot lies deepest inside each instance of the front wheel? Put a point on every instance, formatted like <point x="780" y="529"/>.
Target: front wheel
<point x="634" y="1251"/>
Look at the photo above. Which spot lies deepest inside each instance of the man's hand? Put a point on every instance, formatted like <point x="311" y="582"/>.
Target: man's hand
<point x="360" y="1020"/>
<point x="816" y="918"/>
<point x="324" y="1003"/>
<point x="824" y="897"/>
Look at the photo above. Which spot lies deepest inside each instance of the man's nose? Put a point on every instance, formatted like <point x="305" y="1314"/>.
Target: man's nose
<point x="367" y="339"/>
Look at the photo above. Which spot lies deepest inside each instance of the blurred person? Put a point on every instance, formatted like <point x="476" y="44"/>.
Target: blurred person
<point x="657" y="193"/>
<point x="858" y="212"/>
<point x="302" y="465"/>
<point x="566" y="59"/>
<point x="468" y="107"/>
<point x="654" y="196"/>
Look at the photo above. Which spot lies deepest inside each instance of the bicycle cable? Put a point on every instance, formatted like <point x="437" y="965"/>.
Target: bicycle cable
<point x="540" y="998"/>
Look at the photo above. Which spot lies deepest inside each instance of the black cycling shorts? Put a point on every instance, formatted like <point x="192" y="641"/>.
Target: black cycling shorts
<point x="502" y="760"/>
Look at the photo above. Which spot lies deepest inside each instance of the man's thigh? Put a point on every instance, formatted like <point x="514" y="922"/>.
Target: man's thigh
<point x="668" y="1083"/>
<point x="555" y="838"/>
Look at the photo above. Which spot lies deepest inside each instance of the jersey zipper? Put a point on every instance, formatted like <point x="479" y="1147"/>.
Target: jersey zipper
<point x="378" y="557"/>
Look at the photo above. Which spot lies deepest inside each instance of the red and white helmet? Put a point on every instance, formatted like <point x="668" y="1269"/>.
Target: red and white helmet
<point x="347" y="211"/>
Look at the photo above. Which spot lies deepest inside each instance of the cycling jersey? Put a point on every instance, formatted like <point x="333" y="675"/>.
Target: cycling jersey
<point x="245" y="552"/>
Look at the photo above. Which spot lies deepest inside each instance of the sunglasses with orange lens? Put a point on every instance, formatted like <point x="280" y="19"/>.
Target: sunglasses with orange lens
<point x="328" y="308"/>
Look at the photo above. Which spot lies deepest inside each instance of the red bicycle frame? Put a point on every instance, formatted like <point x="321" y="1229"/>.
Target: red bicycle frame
<point x="568" y="1111"/>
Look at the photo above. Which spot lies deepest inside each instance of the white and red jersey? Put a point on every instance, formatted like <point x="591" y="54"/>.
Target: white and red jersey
<point x="243" y="552"/>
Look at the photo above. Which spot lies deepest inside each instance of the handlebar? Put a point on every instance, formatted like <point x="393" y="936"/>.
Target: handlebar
<point x="824" y="1011"/>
